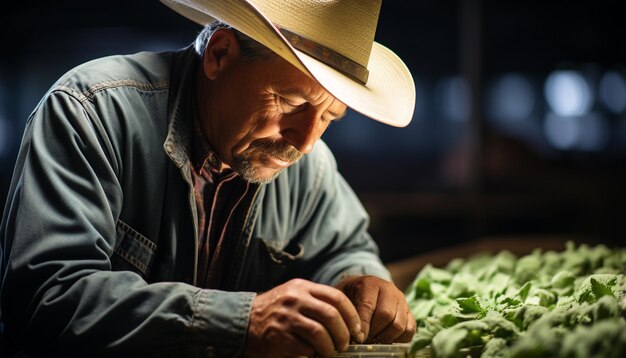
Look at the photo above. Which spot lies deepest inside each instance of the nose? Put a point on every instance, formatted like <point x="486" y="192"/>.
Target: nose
<point x="303" y="129"/>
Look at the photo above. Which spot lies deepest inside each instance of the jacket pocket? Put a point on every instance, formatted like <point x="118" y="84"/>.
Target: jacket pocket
<point x="133" y="251"/>
<point x="283" y="256"/>
<point x="275" y="263"/>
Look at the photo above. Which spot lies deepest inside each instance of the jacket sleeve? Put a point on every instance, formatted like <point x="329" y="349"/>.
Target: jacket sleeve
<point x="59" y="296"/>
<point x="335" y="225"/>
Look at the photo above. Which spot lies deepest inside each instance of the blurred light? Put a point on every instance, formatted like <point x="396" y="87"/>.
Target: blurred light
<point x="594" y="132"/>
<point x="561" y="132"/>
<point x="613" y="91"/>
<point x="589" y="132"/>
<point x="567" y="93"/>
<point x="511" y="98"/>
<point x="453" y="96"/>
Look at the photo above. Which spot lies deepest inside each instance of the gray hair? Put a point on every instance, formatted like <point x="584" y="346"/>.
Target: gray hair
<point x="250" y="50"/>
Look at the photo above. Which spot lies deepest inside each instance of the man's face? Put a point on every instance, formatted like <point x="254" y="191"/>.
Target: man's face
<point x="267" y="115"/>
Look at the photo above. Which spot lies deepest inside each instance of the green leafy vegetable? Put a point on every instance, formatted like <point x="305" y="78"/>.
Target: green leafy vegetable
<point x="470" y="305"/>
<point x="569" y="304"/>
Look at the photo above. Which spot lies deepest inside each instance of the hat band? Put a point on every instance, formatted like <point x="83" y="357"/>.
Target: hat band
<point x="327" y="56"/>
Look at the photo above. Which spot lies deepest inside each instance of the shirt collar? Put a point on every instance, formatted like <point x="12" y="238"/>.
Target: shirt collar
<point x="202" y="154"/>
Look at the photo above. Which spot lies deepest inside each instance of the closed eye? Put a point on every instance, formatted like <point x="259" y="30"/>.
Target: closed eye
<point x="289" y="106"/>
<point x="336" y="117"/>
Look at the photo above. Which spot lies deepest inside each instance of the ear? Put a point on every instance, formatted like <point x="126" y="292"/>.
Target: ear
<point x="221" y="51"/>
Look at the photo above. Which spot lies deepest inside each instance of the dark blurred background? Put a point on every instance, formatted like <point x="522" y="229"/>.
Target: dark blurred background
<point x="519" y="127"/>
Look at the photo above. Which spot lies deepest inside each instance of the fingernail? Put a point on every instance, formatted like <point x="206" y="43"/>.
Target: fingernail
<point x="360" y="338"/>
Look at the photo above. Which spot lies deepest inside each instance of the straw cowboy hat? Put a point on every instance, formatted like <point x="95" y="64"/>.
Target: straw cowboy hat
<point x="330" y="40"/>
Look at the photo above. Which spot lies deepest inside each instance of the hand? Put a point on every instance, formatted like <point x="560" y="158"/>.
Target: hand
<point x="300" y="318"/>
<point x="385" y="314"/>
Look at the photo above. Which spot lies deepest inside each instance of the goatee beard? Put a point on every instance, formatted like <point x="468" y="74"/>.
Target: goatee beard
<point x="244" y="165"/>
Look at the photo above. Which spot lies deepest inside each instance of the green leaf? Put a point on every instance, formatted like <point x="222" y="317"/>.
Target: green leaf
<point x="596" y="286"/>
<point x="448" y="342"/>
<point x="421" y="308"/>
<point x="470" y="305"/>
<point x="563" y="279"/>
<point x="506" y="307"/>
<point x="498" y="284"/>
<point x="422" y="288"/>
<point x="462" y="285"/>
<point x="439" y="275"/>
<point x="541" y="297"/>
<point x="495" y="348"/>
<point x="510" y="302"/>
<point x="523" y="292"/>
<point x="600" y="289"/>
<point x="449" y="320"/>
<point x="528" y="267"/>
<point x="421" y="340"/>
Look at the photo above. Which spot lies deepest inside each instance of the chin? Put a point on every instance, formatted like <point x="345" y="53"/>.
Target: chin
<point x="255" y="169"/>
<point x="259" y="175"/>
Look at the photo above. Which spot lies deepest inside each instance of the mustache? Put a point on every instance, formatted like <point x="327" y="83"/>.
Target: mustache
<point x="282" y="151"/>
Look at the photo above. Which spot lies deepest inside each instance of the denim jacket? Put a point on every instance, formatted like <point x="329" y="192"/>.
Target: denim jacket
<point x="99" y="232"/>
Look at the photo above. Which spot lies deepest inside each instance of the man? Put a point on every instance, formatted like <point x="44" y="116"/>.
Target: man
<point x="180" y="204"/>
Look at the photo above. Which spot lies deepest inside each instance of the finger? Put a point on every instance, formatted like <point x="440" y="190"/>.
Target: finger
<point x="315" y="335"/>
<point x="384" y="313"/>
<point x="409" y="332"/>
<point x="295" y="346"/>
<point x="395" y="329"/>
<point x="365" y="300"/>
<point x="342" y="304"/>
<point x="332" y="321"/>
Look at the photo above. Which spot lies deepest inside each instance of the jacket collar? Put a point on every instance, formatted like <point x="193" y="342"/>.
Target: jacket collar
<point x="203" y="156"/>
<point x="178" y="141"/>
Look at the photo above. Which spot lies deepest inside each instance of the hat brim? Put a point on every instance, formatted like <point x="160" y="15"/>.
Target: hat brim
<point x="388" y="96"/>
